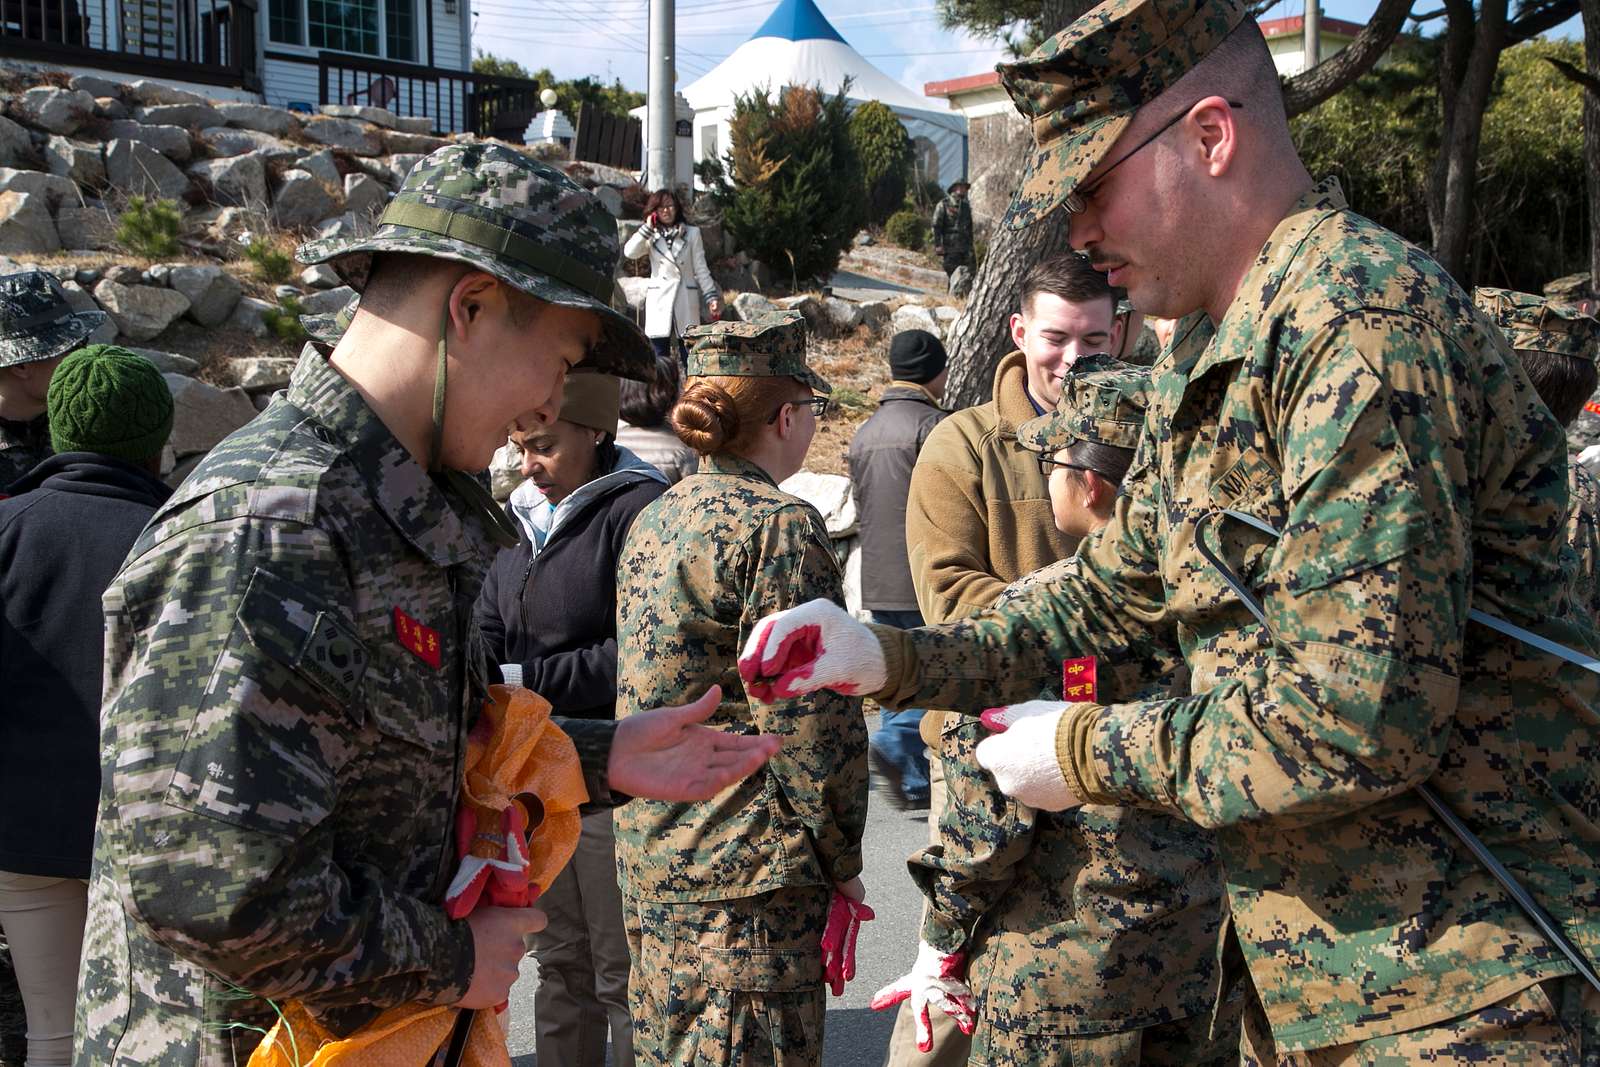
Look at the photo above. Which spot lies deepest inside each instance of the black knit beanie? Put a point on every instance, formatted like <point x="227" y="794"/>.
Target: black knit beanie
<point x="915" y="356"/>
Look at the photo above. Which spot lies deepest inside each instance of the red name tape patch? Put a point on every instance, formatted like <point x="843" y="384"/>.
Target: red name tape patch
<point x="1077" y="680"/>
<point x="421" y="641"/>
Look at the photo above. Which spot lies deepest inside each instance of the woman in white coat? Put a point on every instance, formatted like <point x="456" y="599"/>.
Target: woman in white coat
<point x="679" y="278"/>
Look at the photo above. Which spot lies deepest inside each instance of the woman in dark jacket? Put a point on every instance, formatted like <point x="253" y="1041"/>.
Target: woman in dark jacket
<point x="548" y="615"/>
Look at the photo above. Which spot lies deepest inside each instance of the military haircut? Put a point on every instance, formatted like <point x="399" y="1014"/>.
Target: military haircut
<point x="1563" y="382"/>
<point x="396" y="277"/>
<point x="1240" y="68"/>
<point x="1069" y="276"/>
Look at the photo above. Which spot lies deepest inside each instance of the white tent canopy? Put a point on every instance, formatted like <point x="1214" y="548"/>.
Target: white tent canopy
<point x="797" y="45"/>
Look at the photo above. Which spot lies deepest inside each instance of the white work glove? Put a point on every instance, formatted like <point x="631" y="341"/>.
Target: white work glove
<point x="814" y="646"/>
<point x="935" y="981"/>
<point x="999" y="720"/>
<point x="1023" y="757"/>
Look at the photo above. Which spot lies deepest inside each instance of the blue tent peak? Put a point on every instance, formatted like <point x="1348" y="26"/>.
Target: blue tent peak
<point x="798" y="20"/>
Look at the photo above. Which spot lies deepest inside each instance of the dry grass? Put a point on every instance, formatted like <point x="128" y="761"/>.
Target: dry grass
<point x="858" y="369"/>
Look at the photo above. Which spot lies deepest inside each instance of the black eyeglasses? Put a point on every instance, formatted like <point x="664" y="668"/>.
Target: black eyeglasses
<point x="819" y="407"/>
<point x="1078" y="199"/>
<point x="1046" y="465"/>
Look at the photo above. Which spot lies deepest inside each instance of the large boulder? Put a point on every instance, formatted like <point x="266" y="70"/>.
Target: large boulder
<point x="831" y="495"/>
<point x="413" y="123"/>
<point x="272" y="120"/>
<point x="320" y="165"/>
<point x="328" y="301"/>
<point x="140" y="311"/>
<point x="874" y="314"/>
<point x="250" y="315"/>
<point x="320" y="276"/>
<point x="378" y="116"/>
<point x="810" y="309"/>
<point x="212" y="292"/>
<point x="54" y="189"/>
<point x="354" y="137"/>
<point x="961" y="282"/>
<point x="302" y="200"/>
<point x="95" y="85"/>
<point x="87" y="227"/>
<point x="189" y="116"/>
<point x="915" y="317"/>
<point x="168" y="362"/>
<point x="203" y="414"/>
<point x="25" y="224"/>
<point x="54" y="110"/>
<point x="136" y="169"/>
<point x="148" y="93"/>
<point x="364" y="194"/>
<point x="110" y="108"/>
<point x="344" y="225"/>
<point x="239" y="180"/>
<point x="843" y="315"/>
<point x="749" y="305"/>
<point x="170" y="141"/>
<point x="80" y="300"/>
<point x="224" y="141"/>
<point x="79" y="161"/>
<point x="398" y="141"/>
<point x="16" y="147"/>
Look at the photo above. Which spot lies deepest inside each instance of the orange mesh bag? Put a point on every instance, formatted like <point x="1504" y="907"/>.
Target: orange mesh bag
<point x="516" y="827"/>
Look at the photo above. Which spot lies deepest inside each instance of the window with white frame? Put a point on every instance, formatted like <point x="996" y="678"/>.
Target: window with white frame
<point x="385" y="28"/>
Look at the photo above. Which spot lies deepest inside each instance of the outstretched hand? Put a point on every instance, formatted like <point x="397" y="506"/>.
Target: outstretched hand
<point x="665" y="754"/>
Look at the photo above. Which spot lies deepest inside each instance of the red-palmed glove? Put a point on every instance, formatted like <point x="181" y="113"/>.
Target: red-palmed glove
<point x="935" y="981"/>
<point x="845" y="917"/>
<point x="1021" y="756"/>
<point x="817" y="645"/>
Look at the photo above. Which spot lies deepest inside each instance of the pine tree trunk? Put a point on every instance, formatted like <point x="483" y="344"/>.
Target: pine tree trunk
<point x="1591" y="135"/>
<point x="1472" y="52"/>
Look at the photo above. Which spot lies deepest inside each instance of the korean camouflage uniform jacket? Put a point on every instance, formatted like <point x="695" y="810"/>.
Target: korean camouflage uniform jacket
<point x="1583" y="534"/>
<point x="23" y="446"/>
<point x="1080" y="922"/>
<point x="1351" y="398"/>
<point x="289" y="670"/>
<point x="702" y="565"/>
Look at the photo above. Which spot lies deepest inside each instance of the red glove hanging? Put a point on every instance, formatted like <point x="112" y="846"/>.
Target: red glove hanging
<point x="845" y="917"/>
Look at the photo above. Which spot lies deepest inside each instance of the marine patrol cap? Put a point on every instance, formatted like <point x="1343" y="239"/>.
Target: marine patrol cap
<point x="522" y="221"/>
<point x="1080" y="89"/>
<point x="771" y="345"/>
<point x="37" y="322"/>
<point x="1103" y="400"/>
<point x="329" y="328"/>
<point x="1537" y="324"/>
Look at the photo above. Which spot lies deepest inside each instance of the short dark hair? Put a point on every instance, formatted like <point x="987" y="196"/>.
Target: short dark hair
<point x="659" y="197"/>
<point x="1069" y="276"/>
<point x="1563" y="382"/>
<point x="1108" y="461"/>
<point x="646" y="405"/>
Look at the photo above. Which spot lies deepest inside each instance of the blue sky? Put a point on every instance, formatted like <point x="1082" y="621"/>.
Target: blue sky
<point x="901" y="37"/>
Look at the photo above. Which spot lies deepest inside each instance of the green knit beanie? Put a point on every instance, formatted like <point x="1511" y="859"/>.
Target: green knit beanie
<point x="105" y="399"/>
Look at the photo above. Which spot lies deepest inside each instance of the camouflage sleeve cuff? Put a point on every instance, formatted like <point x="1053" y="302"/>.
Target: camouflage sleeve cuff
<point x="450" y="977"/>
<point x="1075" y="753"/>
<point x="941" y="933"/>
<point x="592" y="738"/>
<point x="898" y="656"/>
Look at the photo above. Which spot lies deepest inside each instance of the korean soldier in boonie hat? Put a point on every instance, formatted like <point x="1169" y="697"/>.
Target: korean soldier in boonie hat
<point x="38" y="327"/>
<point x="294" y="653"/>
<point x="1344" y="469"/>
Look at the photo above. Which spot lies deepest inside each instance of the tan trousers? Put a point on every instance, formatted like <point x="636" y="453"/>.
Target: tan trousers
<point x="583" y="959"/>
<point x="951" y="1048"/>
<point x="43" y="921"/>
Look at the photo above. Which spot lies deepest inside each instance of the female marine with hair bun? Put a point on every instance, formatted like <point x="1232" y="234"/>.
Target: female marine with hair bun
<point x="726" y="901"/>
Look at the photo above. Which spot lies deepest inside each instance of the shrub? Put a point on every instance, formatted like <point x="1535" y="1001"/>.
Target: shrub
<point x="790" y="193"/>
<point x="284" y="320"/>
<point x="906" y="229"/>
<point x="884" y="149"/>
<point x="271" y="262"/>
<point x="149" y="228"/>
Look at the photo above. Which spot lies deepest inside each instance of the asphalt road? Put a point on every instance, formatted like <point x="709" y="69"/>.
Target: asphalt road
<point x="856" y="1035"/>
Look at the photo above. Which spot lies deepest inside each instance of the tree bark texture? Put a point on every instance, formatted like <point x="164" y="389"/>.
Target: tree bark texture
<point x="1466" y="78"/>
<point x="1311" y="87"/>
<point x="1591" y="135"/>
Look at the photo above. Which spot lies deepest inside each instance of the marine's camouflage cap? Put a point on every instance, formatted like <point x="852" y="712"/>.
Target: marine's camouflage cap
<point x="771" y="345"/>
<point x="1081" y="88"/>
<point x="37" y="322"/>
<point x="1103" y="400"/>
<point x="1537" y="324"/>
<point x="522" y="221"/>
<point x="329" y="328"/>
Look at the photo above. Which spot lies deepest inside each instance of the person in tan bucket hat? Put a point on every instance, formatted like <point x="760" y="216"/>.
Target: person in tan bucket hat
<point x="1341" y="460"/>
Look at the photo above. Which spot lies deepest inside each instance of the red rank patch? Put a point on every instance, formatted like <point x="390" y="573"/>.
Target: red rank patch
<point x="1078" y="680"/>
<point x="421" y="641"/>
<point x="1591" y="407"/>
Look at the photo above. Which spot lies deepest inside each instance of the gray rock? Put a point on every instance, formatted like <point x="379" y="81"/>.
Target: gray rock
<point x="54" y="110"/>
<point x="914" y="317"/>
<point x="320" y="276"/>
<point x="249" y="315"/>
<point x="413" y="123"/>
<point x="148" y="93"/>
<point x="751" y="304"/>
<point x="189" y="116"/>
<point x="328" y="301"/>
<point x="212" y="292"/>
<point x="961" y="282"/>
<point x="64" y="271"/>
<point x="842" y="315"/>
<point x="168" y="362"/>
<point x="302" y="200"/>
<point x="810" y="309"/>
<point x="79" y="298"/>
<point x="224" y="141"/>
<point x="286" y="292"/>
<point x="344" y="225"/>
<point x="273" y="120"/>
<point x="25" y="224"/>
<point x="54" y="189"/>
<point x="397" y="141"/>
<point x="400" y="165"/>
<point x="203" y="414"/>
<point x="320" y="165"/>
<point x="354" y="137"/>
<point x="238" y="180"/>
<point x="140" y="311"/>
<point x="136" y="169"/>
<point x="170" y="141"/>
<point x="634" y="290"/>
<point x="226" y="224"/>
<point x="95" y="85"/>
<point x="79" y="161"/>
<point x="16" y="147"/>
<point x="125" y="274"/>
<point x="88" y="276"/>
<point x="378" y="116"/>
<point x="262" y="373"/>
<point x="364" y="195"/>
<point x="611" y="198"/>
<point x="158" y="273"/>
<point x="109" y="107"/>
<point x="946" y="314"/>
<point x="864" y="240"/>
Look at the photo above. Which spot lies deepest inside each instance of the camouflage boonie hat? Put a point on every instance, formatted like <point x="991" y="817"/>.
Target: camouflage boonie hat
<point x="329" y="328"/>
<point x="522" y="221"/>
<point x="1080" y="89"/>
<point x="37" y="322"/>
<point x="771" y="345"/>
<point x="1103" y="400"/>
<point x="1537" y="324"/>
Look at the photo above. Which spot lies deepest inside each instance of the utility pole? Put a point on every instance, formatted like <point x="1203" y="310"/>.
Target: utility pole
<point x="1313" y="28"/>
<point x="661" y="108"/>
